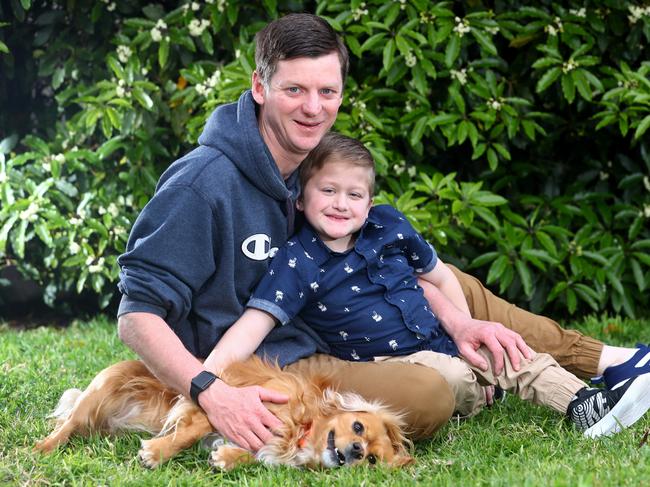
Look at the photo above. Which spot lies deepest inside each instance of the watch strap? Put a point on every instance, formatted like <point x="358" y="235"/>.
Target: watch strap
<point x="200" y="383"/>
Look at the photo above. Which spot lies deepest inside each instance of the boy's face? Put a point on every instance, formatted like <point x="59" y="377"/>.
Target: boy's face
<point x="336" y="201"/>
<point x="300" y="104"/>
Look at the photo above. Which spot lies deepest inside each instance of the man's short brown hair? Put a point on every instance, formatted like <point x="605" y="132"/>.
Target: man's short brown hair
<point x="343" y="148"/>
<point x="294" y="36"/>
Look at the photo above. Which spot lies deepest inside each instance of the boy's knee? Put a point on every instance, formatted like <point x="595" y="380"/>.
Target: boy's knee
<point x="431" y="403"/>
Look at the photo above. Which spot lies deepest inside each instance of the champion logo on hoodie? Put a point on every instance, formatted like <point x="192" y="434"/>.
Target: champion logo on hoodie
<point x="258" y="247"/>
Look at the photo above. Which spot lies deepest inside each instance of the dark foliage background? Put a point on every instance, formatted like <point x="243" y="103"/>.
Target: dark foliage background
<point x="514" y="135"/>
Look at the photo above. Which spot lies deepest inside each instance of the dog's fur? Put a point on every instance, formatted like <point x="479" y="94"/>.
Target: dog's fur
<point x="321" y="427"/>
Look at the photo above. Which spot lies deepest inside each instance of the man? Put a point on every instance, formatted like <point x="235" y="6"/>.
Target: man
<point x="203" y="241"/>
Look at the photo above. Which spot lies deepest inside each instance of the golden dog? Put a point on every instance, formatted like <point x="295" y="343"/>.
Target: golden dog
<point x="321" y="427"/>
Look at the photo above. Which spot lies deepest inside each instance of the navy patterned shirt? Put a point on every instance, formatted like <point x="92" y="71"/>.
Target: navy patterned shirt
<point x="364" y="302"/>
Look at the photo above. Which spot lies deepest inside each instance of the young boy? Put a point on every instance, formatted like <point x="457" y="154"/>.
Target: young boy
<point x="350" y="274"/>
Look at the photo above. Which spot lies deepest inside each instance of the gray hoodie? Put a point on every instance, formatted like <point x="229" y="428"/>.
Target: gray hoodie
<point x="198" y="248"/>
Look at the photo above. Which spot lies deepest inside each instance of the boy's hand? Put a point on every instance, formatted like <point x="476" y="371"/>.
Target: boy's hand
<point x="238" y="414"/>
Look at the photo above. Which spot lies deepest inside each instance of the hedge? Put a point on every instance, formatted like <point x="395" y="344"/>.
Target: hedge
<point x="515" y="137"/>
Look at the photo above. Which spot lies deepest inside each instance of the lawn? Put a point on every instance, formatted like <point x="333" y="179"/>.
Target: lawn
<point x="514" y="443"/>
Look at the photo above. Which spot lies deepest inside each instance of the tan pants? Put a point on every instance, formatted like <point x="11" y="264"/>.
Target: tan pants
<point x="423" y="394"/>
<point x="540" y="380"/>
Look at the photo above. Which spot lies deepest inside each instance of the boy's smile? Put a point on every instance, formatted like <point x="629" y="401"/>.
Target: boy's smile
<point x="336" y="201"/>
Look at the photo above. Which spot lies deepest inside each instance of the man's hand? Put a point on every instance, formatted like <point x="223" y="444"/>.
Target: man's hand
<point x="238" y="414"/>
<point x="469" y="334"/>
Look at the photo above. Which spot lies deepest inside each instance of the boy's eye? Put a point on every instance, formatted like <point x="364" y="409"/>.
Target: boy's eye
<point x="328" y="190"/>
<point x="356" y="196"/>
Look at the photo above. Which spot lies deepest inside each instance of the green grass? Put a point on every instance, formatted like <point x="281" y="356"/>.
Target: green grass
<point x="514" y="443"/>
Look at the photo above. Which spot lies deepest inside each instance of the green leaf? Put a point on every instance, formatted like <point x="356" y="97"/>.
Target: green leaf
<point x="524" y="275"/>
<point x="389" y="54"/>
<point x="44" y="234"/>
<point x="493" y="160"/>
<point x="497" y="268"/>
<point x="639" y="278"/>
<point x="163" y="52"/>
<point x="481" y="260"/>
<point x="3" y="47"/>
<point x="571" y="300"/>
<point x="581" y="83"/>
<point x="568" y="88"/>
<point x="143" y="98"/>
<point x="4" y="232"/>
<point x="547" y="79"/>
<point x="642" y="127"/>
<point x="206" y="39"/>
<point x="452" y="51"/>
<point x="484" y="41"/>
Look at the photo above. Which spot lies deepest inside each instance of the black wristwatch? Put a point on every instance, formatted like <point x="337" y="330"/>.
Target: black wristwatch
<point x="200" y="383"/>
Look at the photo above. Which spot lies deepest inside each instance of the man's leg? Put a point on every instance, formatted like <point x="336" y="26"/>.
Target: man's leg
<point x="417" y="391"/>
<point x="574" y="351"/>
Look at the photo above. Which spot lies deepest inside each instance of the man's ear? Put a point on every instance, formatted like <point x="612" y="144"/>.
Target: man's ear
<point x="257" y="88"/>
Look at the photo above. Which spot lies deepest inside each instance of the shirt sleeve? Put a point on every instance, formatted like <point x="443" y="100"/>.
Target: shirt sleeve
<point x="282" y="291"/>
<point x="419" y="253"/>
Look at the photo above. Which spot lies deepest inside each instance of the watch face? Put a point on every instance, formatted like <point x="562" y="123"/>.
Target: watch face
<point x="203" y="380"/>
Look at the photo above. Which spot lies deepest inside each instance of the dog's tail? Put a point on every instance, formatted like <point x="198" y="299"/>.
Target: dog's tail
<point x="65" y="405"/>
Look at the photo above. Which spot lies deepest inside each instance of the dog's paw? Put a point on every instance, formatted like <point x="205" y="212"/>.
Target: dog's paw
<point x="217" y="459"/>
<point x="147" y="455"/>
<point x="227" y="457"/>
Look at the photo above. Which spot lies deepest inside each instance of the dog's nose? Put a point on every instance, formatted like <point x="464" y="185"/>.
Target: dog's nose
<point x="357" y="450"/>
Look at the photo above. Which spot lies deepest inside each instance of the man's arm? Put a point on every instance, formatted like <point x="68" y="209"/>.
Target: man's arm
<point x="237" y="413"/>
<point x="448" y="302"/>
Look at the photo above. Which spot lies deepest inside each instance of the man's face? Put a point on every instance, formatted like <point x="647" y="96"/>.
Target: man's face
<point x="299" y="106"/>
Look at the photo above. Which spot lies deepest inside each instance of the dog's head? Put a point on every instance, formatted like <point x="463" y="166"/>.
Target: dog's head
<point x="354" y="431"/>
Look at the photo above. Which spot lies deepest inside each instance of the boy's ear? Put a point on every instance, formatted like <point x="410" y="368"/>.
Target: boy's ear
<point x="299" y="204"/>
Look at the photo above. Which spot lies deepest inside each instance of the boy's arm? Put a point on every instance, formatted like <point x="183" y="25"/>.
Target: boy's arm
<point x="240" y="340"/>
<point x="445" y="280"/>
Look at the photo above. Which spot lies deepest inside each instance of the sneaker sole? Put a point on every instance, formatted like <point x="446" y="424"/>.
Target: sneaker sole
<point x="627" y="411"/>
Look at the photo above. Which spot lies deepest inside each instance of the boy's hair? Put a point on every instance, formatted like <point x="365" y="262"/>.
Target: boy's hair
<point x="345" y="149"/>
<point x="294" y="36"/>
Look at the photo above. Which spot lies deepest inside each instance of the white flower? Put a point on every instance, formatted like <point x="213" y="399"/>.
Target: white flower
<point x="493" y="30"/>
<point x="646" y="183"/>
<point x="120" y="89"/>
<point x="60" y="158"/>
<point x="30" y="213"/>
<point x="604" y="176"/>
<point x="399" y="169"/>
<point x="111" y="6"/>
<point x="124" y="53"/>
<point x="93" y="269"/>
<point x="461" y="75"/>
<point x="156" y="35"/>
<point x="89" y="260"/>
<point x="47" y="166"/>
<point x="113" y="210"/>
<point x="553" y="30"/>
<point x="637" y="12"/>
<point x="410" y="59"/>
<point x="195" y="6"/>
<point x="579" y="13"/>
<point x="360" y="11"/>
<point x="494" y="104"/>
<point x="197" y="27"/>
<point x="570" y="65"/>
<point x="74" y="248"/>
<point x="412" y="171"/>
<point x="75" y="221"/>
<point x="3" y="177"/>
<point x="462" y="27"/>
<point x="157" y="30"/>
<point x="646" y="211"/>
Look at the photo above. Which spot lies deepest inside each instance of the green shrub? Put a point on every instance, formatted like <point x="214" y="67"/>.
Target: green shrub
<point x="515" y="137"/>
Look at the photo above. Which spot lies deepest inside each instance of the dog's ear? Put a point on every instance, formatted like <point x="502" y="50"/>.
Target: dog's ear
<point x="401" y="444"/>
<point x="401" y="461"/>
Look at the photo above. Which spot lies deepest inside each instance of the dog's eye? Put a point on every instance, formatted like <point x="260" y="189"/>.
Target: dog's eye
<point x="372" y="459"/>
<point x="357" y="427"/>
